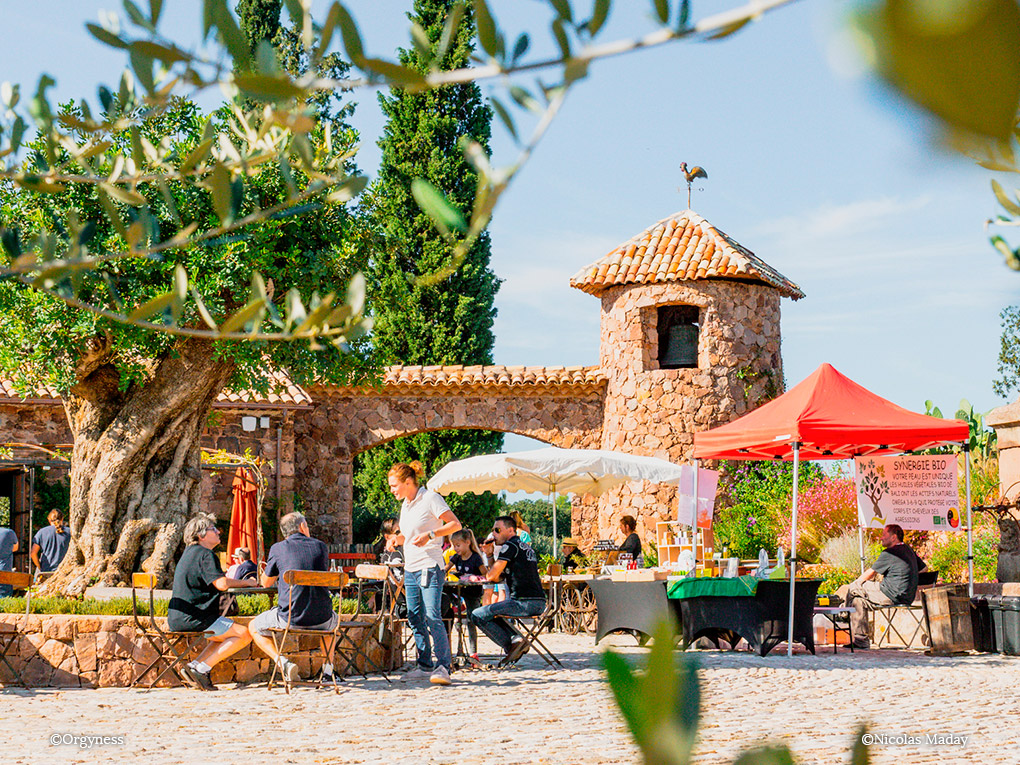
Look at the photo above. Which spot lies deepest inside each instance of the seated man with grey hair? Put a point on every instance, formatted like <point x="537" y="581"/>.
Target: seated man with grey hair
<point x="195" y="603"/>
<point x="309" y="608"/>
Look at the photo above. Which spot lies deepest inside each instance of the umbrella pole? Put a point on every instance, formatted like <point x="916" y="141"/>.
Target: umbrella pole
<point x="793" y="546"/>
<point x="694" y="523"/>
<point x="552" y="500"/>
<point x="970" y="532"/>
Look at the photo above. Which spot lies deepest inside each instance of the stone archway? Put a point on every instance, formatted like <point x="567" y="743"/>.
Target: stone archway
<point x="559" y="406"/>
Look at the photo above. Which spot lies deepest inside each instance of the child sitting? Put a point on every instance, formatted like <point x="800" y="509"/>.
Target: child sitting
<point x="467" y="562"/>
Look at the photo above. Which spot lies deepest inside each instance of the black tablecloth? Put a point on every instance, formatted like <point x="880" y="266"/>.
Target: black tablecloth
<point x="761" y="619"/>
<point x="632" y="606"/>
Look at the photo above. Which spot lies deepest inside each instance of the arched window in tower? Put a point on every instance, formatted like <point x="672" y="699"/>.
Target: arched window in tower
<point x="678" y="336"/>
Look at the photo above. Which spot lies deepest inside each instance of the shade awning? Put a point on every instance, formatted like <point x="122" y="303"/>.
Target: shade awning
<point x="831" y="417"/>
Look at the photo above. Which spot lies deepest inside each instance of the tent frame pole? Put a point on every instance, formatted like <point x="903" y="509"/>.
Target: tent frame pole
<point x="970" y="525"/>
<point x="694" y="524"/>
<point x="793" y="546"/>
<point x="860" y="543"/>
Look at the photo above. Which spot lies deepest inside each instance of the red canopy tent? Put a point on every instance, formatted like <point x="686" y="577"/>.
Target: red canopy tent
<point x="830" y="417"/>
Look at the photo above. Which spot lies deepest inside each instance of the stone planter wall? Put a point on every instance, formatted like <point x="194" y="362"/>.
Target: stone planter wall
<point x="107" y="651"/>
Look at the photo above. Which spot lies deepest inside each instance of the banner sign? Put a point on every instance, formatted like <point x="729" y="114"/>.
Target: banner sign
<point x="914" y="492"/>
<point x="708" y="482"/>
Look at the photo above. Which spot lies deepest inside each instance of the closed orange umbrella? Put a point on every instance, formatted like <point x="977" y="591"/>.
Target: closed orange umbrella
<point x="244" y="531"/>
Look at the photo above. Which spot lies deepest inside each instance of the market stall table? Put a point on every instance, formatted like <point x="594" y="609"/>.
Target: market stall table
<point x="753" y="609"/>
<point x="636" y="607"/>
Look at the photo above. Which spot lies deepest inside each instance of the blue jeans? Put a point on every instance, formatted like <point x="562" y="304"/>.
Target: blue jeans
<point x="424" y="593"/>
<point x="499" y="631"/>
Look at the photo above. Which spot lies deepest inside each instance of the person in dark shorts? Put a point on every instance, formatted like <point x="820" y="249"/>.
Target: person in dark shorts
<point x="50" y="543"/>
<point x="898" y="565"/>
<point x="309" y="608"/>
<point x="467" y="562"/>
<point x="195" y="602"/>
<point x="519" y="563"/>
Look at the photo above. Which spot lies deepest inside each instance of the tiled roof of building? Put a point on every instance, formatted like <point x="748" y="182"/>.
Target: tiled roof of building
<point x="458" y="379"/>
<point x="682" y="247"/>
<point x="283" y="394"/>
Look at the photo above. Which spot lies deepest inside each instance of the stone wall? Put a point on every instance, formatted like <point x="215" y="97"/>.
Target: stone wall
<point x="655" y="412"/>
<point x="107" y="651"/>
<point x="341" y="426"/>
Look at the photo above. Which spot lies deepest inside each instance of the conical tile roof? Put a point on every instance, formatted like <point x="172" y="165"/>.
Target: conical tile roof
<point x="682" y="247"/>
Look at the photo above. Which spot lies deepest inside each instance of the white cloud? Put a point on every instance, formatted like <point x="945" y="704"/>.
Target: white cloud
<point x="828" y="221"/>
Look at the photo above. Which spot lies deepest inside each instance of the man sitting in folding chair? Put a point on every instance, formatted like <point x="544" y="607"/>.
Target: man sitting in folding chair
<point x="527" y="597"/>
<point x="898" y="565"/>
<point x="195" y="603"/>
<point x="301" y="607"/>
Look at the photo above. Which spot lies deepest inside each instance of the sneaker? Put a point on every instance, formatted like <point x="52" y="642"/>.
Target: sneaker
<point x="516" y="651"/>
<point x="415" y="674"/>
<point x="291" y="671"/>
<point x="440" y="676"/>
<point x="200" y="679"/>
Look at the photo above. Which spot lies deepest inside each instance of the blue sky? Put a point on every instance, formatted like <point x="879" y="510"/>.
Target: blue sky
<point x="813" y="167"/>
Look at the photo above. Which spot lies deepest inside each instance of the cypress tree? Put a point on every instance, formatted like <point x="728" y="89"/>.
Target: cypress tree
<point x="445" y="323"/>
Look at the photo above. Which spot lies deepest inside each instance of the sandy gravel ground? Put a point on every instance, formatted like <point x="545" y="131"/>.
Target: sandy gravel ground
<point x="533" y="715"/>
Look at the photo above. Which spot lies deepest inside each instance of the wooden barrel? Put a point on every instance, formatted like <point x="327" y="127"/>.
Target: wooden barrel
<point x="947" y="613"/>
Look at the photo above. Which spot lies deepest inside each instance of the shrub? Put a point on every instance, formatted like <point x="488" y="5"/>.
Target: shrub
<point x="825" y="510"/>
<point x="844" y="552"/>
<point x="755" y="498"/>
<point x="832" y="577"/>
<point x="949" y="555"/>
<point x="247" y="605"/>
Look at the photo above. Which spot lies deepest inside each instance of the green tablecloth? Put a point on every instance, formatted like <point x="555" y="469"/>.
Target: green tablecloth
<point x="714" y="586"/>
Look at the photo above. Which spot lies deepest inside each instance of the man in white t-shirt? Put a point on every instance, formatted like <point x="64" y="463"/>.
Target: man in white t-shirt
<point x="424" y="519"/>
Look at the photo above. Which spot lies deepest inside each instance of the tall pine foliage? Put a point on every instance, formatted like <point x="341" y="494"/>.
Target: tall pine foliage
<point x="446" y="323"/>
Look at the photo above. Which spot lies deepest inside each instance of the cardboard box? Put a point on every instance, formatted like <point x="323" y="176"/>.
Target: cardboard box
<point x="647" y="575"/>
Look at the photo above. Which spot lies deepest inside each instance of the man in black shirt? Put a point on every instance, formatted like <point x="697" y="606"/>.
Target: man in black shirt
<point x="519" y="563"/>
<point x="195" y="602"/>
<point x="898" y="565"/>
<point x="309" y="608"/>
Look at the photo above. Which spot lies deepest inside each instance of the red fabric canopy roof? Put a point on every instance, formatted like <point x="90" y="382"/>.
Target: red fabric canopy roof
<point x="832" y="417"/>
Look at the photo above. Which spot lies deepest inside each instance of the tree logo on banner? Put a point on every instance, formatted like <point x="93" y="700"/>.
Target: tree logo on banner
<point x="874" y="486"/>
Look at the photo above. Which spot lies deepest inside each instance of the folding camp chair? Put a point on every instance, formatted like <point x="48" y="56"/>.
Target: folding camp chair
<point x="884" y="620"/>
<point x="8" y="633"/>
<point x="358" y="635"/>
<point x="172" y="648"/>
<point x="328" y="639"/>
<point x="531" y="628"/>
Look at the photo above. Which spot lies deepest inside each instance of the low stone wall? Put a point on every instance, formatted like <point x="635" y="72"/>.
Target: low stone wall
<point x="108" y="651"/>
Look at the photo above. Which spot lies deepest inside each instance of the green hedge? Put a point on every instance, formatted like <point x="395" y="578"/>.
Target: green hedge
<point x="247" y="605"/>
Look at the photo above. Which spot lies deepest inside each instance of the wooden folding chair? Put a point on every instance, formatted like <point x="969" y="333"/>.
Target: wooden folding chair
<point x="349" y="647"/>
<point x="9" y="634"/>
<point x="328" y="639"/>
<point x="531" y="628"/>
<point x="172" y="648"/>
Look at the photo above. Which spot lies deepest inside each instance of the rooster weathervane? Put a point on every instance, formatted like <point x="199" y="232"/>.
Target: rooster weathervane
<point x="690" y="175"/>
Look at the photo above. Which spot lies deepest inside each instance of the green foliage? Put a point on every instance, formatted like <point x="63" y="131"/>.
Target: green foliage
<point x="755" y="500"/>
<point x="949" y="555"/>
<point x="983" y="440"/>
<point x="5" y="511"/>
<point x="537" y="513"/>
<point x="417" y="321"/>
<point x="50" y="494"/>
<point x="832" y="577"/>
<point x="247" y="605"/>
<point x="1009" y="353"/>
<point x="826" y="509"/>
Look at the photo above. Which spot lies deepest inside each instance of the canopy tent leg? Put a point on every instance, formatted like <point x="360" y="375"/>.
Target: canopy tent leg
<point x="793" y="546"/>
<point x="970" y="528"/>
<point x="694" y="525"/>
<point x="860" y="544"/>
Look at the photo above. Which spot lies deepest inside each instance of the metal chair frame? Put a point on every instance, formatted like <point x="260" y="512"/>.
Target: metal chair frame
<point x="167" y="643"/>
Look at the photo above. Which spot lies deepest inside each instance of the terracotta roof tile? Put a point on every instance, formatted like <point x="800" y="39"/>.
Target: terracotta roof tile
<point x="457" y="379"/>
<point x="682" y="247"/>
<point x="282" y="393"/>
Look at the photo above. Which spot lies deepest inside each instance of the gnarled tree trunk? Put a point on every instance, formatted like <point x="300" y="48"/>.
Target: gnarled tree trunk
<point x="136" y="468"/>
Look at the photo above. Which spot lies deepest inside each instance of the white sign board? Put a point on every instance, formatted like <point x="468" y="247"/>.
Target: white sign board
<point x="708" y="482"/>
<point x="914" y="492"/>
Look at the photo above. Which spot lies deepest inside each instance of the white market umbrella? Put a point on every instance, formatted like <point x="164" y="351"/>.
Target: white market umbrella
<point x="551" y="470"/>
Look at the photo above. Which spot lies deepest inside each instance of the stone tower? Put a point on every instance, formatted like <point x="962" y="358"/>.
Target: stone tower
<point x="690" y="340"/>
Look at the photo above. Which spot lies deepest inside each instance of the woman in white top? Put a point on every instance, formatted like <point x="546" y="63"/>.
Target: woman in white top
<point x="424" y="518"/>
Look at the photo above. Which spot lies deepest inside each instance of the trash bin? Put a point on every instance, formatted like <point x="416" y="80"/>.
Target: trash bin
<point x="995" y="613"/>
<point x="981" y="621"/>
<point x="1010" y="644"/>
